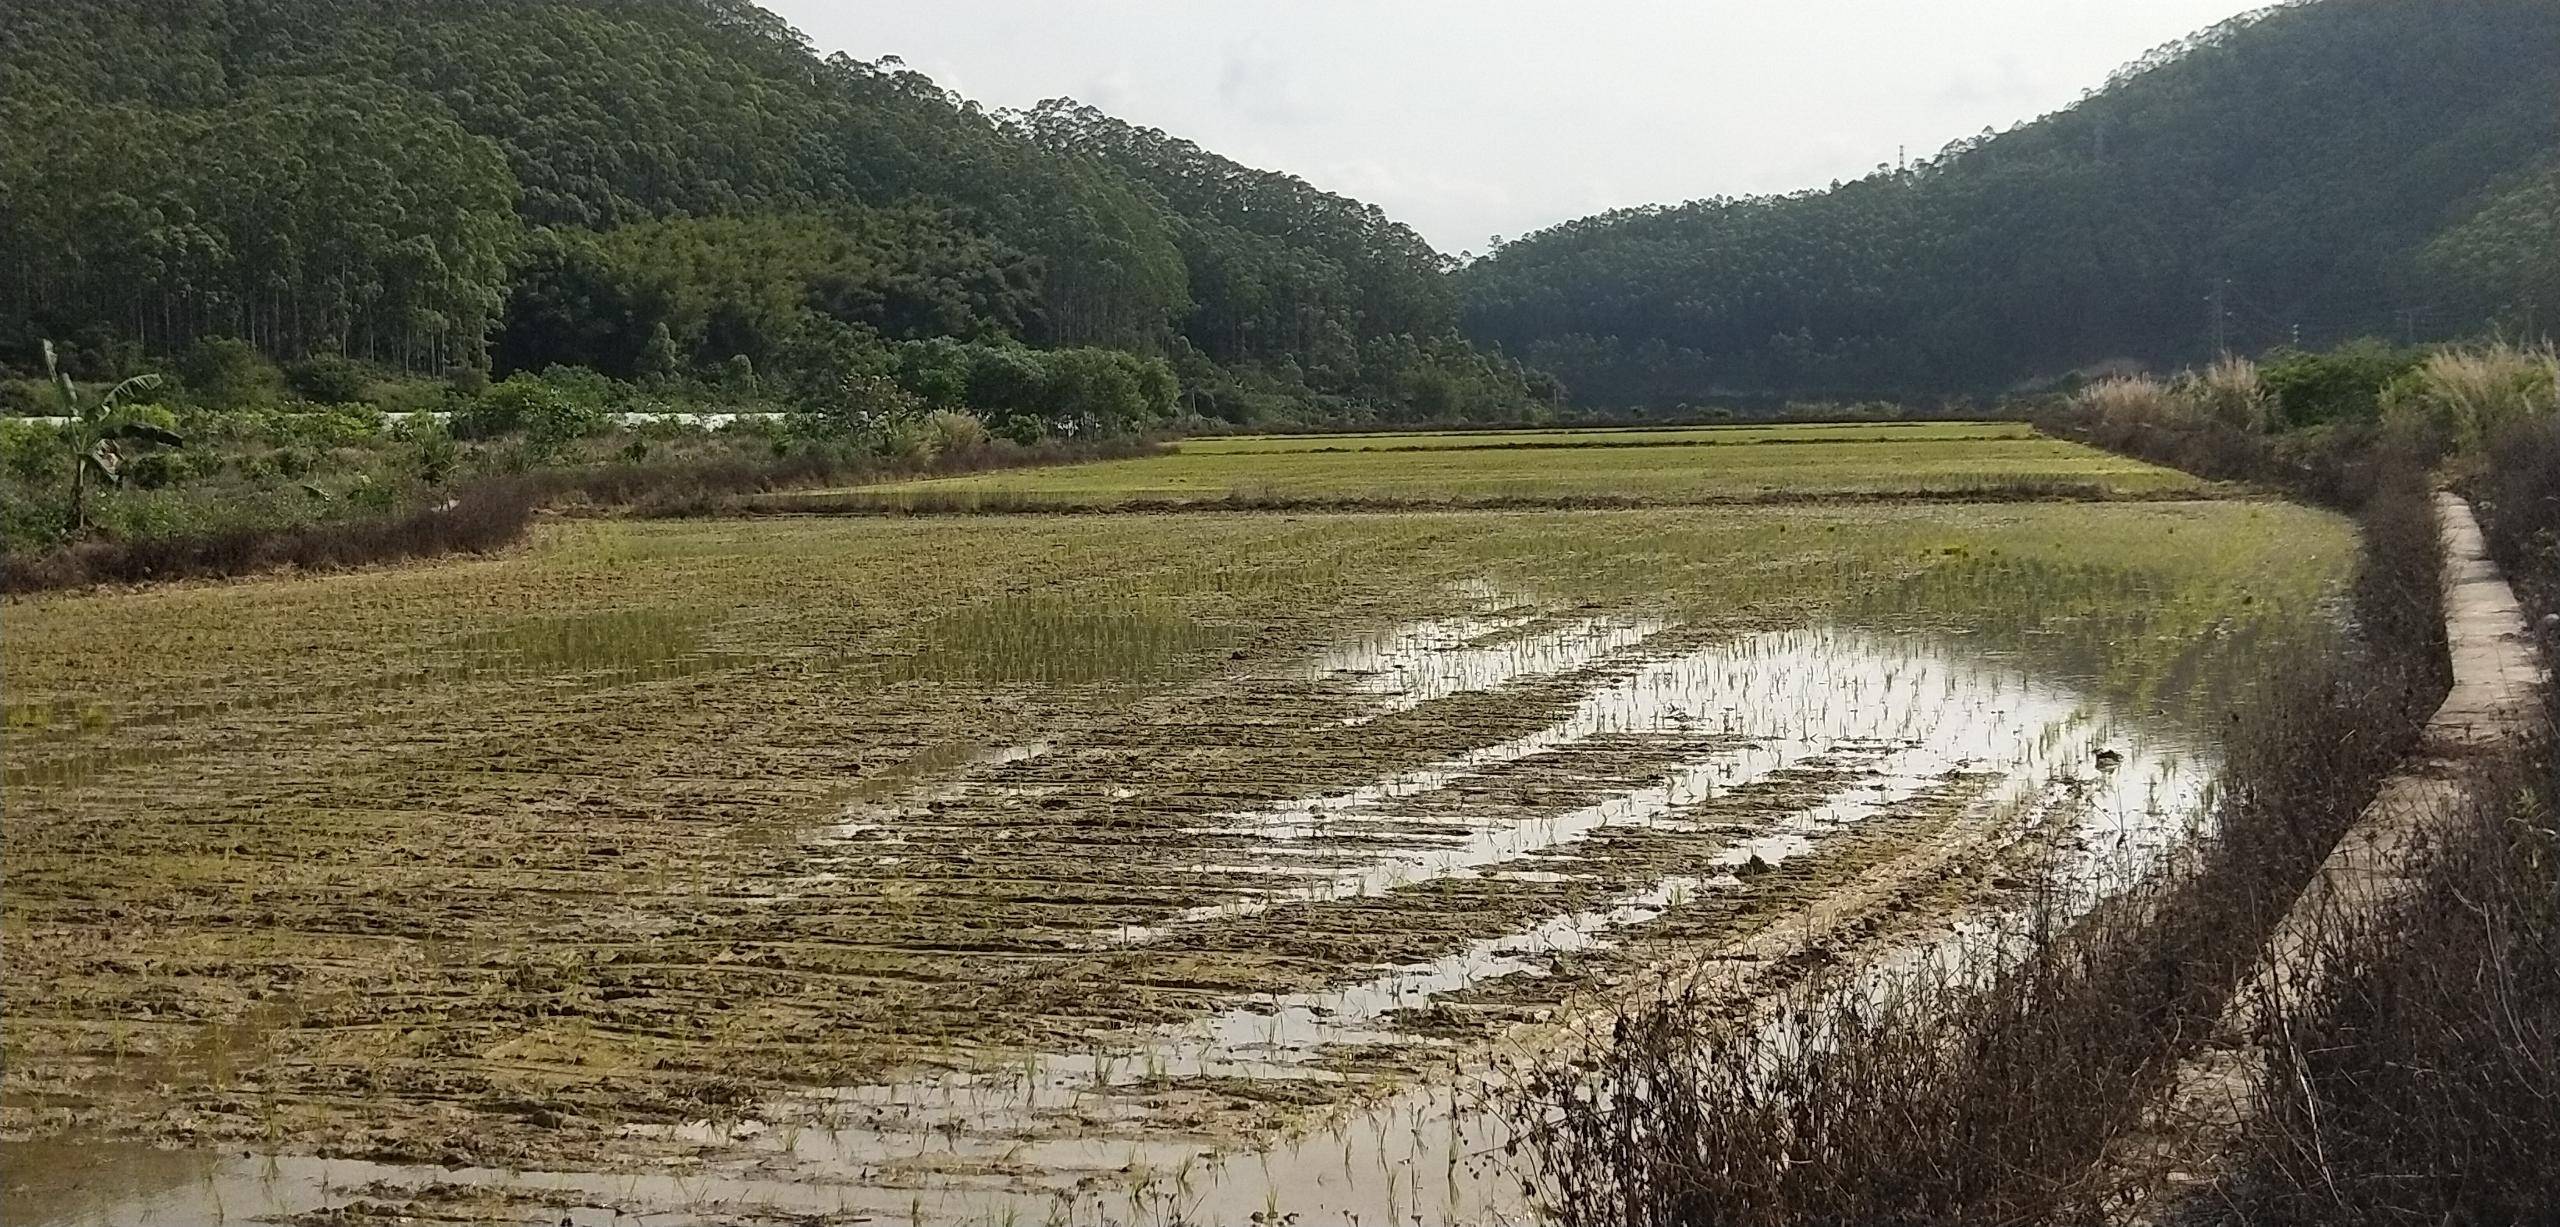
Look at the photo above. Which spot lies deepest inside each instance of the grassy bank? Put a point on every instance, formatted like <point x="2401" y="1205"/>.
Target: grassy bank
<point x="493" y="511"/>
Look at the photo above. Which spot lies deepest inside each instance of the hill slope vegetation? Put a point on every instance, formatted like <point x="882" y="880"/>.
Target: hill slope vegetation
<point x="2301" y="175"/>
<point x="658" y="188"/>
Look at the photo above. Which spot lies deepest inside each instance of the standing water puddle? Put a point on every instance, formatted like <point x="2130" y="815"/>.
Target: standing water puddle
<point x="1413" y="665"/>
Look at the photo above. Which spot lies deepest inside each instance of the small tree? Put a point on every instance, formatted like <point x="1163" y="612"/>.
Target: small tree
<point x="327" y="379"/>
<point x="97" y="430"/>
<point x="229" y="373"/>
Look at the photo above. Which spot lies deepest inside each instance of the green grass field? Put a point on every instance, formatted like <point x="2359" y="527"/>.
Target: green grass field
<point x="1670" y="468"/>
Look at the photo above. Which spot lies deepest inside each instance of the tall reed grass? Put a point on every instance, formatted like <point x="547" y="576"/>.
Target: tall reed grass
<point x="2471" y="395"/>
<point x="2216" y="424"/>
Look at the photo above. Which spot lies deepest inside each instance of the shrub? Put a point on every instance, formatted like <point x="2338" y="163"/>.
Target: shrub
<point x="32" y="451"/>
<point x="958" y="434"/>
<point x="33" y="521"/>
<point x="1007" y="380"/>
<point x="533" y="407"/>
<point x="1109" y="390"/>
<point x="489" y="516"/>
<point x="666" y="424"/>
<point x="2341" y="385"/>
<point x="1027" y="429"/>
<point x="2130" y="399"/>
<point x="410" y="395"/>
<point x="869" y="400"/>
<point x="227" y="373"/>
<point x="1101" y="390"/>
<point x="2420" y="1083"/>
<point x="330" y="427"/>
<point x="27" y="398"/>
<point x="433" y="453"/>
<point x="936" y="370"/>
<point x="585" y="385"/>
<point x="328" y="379"/>
<point x="2518" y="493"/>
<point x="905" y="444"/>
<point x="160" y="470"/>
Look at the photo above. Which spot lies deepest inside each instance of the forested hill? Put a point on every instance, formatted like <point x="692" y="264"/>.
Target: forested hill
<point x="2318" y="171"/>
<point x="661" y="189"/>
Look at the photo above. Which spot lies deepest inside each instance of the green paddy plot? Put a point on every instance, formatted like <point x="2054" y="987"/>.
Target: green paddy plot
<point x="1670" y="468"/>
<point x="1792" y="432"/>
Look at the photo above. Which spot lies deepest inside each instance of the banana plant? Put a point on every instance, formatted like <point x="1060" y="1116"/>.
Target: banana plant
<point x="99" y="431"/>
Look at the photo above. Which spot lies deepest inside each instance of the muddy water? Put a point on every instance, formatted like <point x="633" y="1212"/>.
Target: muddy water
<point x="1700" y="768"/>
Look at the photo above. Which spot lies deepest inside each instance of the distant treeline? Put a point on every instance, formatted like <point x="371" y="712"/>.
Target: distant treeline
<point x="678" y="191"/>
<point x="2302" y="175"/>
<point x="668" y="189"/>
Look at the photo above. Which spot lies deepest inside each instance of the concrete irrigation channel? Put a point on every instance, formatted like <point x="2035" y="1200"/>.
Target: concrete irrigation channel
<point x="2492" y="704"/>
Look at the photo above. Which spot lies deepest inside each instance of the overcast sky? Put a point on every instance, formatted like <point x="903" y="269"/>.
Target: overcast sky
<point x="1470" y="118"/>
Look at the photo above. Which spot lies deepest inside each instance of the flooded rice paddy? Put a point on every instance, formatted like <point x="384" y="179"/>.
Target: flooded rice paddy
<point x="1032" y="870"/>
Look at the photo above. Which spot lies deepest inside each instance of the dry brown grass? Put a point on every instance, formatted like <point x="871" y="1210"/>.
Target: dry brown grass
<point x="2420" y="1082"/>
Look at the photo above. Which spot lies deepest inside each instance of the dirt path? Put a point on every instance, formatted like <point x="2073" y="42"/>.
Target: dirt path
<point x="2180" y="1153"/>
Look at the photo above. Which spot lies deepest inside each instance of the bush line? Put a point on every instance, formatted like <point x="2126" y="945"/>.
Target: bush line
<point x="493" y="514"/>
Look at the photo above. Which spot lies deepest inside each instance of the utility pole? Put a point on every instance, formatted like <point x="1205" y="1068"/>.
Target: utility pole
<point x="2221" y="301"/>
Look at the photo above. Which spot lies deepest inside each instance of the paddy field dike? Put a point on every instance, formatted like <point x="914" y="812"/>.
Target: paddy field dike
<point x="1013" y="859"/>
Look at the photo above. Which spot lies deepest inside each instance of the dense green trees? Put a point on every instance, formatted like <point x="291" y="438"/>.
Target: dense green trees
<point x="681" y="190"/>
<point x="652" y="188"/>
<point x="814" y="295"/>
<point x="1078" y="390"/>
<point x="1296" y="293"/>
<point x="2503" y="261"/>
<point x="303" y="217"/>
<point x="2309" y="173"/>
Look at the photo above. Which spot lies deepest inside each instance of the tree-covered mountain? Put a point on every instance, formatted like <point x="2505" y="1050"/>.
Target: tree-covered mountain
<point x="655" y="187"/>
<point x="2310" y="172"/>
